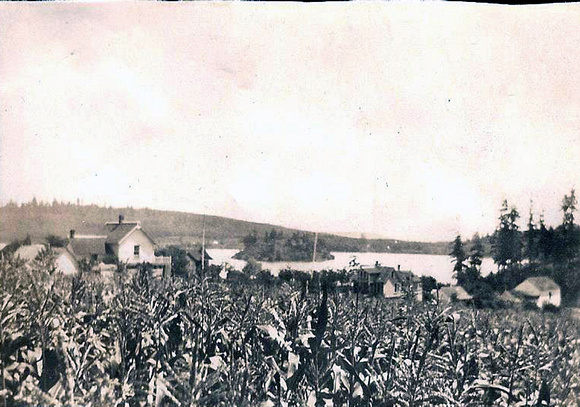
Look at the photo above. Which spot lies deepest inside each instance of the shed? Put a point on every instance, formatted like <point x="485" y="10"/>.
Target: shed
<point x="539" y="290"/>
<point x="454" y="293"/>
<point x="195" y="256"/>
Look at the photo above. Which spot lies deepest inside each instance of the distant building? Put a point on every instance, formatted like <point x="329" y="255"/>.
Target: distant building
<point x="64" y="261"/>
<point x="539" y="290"/>
<point x="194" y="255"/>
<point x="123" y="240"/>
<point x="454" y="293"/>
<point x="87" y="247"/>
<point x="129" y="243"/>
<point x="389" y="282"/>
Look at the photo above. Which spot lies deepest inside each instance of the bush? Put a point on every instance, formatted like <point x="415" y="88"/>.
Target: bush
<point x="252" y="267"/>
<point x="547" y="307"/>
<point x="530" y="306"/>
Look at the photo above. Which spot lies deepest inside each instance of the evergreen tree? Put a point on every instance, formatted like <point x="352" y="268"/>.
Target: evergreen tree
<point x="569" y="207"/>
<point x="476" y="252"/>
<point x="532" y="238"/>
<point x="56" y="241"/>
<point x="568" y="233"/>
<point x="544" y="241"/>
<point x="472" y="274"/>
<point x="506" y="242"/>
<point x="459" y="258"/>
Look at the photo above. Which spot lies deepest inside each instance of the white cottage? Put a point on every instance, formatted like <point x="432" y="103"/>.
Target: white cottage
<point x="539" y="290"/>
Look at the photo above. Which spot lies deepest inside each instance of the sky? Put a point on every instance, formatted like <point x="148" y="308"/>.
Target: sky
<point x="404" y="120"/>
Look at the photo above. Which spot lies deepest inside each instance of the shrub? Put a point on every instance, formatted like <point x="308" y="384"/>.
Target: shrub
<point x="547" y="307"/>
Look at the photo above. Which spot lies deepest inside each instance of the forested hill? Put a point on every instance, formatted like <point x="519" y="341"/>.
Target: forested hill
<point x="168" y="227"/>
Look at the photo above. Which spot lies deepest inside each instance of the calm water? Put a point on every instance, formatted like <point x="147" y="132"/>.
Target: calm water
<point x="436" y="266"/>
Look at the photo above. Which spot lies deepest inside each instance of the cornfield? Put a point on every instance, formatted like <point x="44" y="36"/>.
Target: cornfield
<point x="138" y="341"/>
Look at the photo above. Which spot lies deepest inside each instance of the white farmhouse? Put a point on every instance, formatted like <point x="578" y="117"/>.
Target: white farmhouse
<point x="123" y="240"/>
<point x="129" y="243"/>
<point x="540" y="290"/>
<point x="389" y="282"/>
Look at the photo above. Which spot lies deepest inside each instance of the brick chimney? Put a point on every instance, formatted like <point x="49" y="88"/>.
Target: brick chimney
<point x="72" y="234"/>
<point x="121" y="219"/>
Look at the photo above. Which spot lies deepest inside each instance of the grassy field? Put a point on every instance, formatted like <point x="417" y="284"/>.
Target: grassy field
<point x="135" y="341"/>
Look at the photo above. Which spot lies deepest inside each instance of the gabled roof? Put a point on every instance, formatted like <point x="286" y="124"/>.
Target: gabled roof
<point x="117" y="232"/>
<point x="30" y="252"/>
<point x="86" y="246"/>
<point x="390" y="274"/>
<point x="456" y="290"/>
<point x="58" y="251"/>
<point x="61" y="250"/>
<point x="536" y="286"/>
<point x="195" y="254"/>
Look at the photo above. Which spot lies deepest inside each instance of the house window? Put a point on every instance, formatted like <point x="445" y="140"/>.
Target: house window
<point x="136" y="250"/>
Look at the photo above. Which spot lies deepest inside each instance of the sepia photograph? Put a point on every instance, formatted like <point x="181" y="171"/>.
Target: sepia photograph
<point x="283" y="204"/>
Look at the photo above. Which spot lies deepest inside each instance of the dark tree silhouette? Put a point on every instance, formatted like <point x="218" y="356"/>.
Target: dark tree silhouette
<point x="459" y="258"/>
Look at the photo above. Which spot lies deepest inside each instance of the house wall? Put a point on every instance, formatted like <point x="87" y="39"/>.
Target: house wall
<point x="125" y="250"/>
<point x="419" y="293"/>
<point x="66" y="264"/>
<point x="545" y="298"/>
<point x="389" y="290"/>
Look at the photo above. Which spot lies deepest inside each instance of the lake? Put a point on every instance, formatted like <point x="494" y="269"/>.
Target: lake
<point x="432" y="265"/>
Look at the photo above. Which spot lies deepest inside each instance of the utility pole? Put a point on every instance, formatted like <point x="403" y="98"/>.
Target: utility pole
<point x="203" y="246"/>
<point x="315" y="241"/>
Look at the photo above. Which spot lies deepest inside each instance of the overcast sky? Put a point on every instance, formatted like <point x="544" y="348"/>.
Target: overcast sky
<point x="410" y="121"/>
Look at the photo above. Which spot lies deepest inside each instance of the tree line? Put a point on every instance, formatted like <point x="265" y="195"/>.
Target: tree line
<point x="538" y="250"/>
<point x="277" y="246"/>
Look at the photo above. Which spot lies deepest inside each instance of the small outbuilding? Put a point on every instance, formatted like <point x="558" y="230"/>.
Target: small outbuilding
<point x="539" y="290"/>
<point x="454" y="293"/>
<point x="195" y="256"/>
